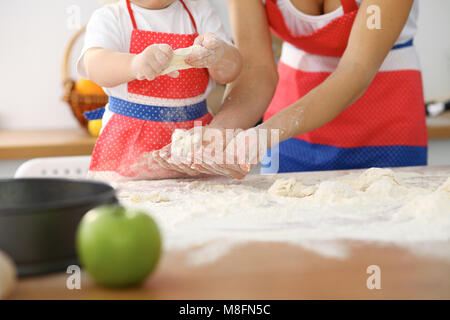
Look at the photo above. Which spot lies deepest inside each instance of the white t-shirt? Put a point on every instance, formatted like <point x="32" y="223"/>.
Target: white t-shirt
<point x="110" y="27"/>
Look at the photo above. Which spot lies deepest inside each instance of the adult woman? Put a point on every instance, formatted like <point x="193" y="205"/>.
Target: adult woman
<point x="349" y="92"/>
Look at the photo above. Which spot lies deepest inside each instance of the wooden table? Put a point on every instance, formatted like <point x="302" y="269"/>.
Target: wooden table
<point x="26" y="144"/>
<point x="271" y="271"/>
<point x="268" y="270"/>
<point x="439" y="127"/>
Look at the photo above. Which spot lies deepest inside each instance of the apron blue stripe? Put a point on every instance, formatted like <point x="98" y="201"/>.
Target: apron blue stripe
<point x="409" y="43"/>
<point x="157" y="113"/>
<point x="94" y="114"/>
<point x="298" y="155"/>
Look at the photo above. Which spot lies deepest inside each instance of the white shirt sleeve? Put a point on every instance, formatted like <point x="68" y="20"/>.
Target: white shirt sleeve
<point x="103" y="31"/>
<point x="209" y="20"/>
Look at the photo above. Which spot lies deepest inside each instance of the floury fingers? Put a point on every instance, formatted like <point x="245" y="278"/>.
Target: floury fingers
<point x="221" y="151"/>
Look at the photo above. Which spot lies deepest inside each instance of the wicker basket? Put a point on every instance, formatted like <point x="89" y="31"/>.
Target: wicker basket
<point x="79" y="103"/>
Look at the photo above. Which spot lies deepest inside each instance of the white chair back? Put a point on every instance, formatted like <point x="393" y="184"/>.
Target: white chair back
<point x="58" y="167"/>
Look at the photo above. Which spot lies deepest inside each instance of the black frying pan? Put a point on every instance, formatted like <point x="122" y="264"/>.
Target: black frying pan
<point x="39" y="219"/>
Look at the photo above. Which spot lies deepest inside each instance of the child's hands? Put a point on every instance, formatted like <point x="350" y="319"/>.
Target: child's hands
<point x="211" y="52"/>
<point x="152" y="61"/>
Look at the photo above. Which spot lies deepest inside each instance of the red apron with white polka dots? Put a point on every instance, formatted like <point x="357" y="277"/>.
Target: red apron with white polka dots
<point x="136" y="129"/>
<point x="384" y="128"/>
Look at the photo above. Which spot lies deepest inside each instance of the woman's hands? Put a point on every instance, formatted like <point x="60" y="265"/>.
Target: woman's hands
<point x="168" y="161"/>
<point x="231" y="153"/>
<point x="186" y="158"/>
<point x="245" y="150"/>
<point x="151" y="62"/>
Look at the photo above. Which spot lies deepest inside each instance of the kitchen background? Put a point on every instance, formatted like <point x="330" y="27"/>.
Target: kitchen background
<point x="34" y="35"/>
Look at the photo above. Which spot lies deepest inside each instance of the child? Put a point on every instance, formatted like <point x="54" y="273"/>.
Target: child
<point x="128" y="48"/>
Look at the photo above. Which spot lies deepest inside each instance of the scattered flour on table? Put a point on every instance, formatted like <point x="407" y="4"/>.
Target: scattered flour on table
<point x="155" y="197"/>
<point x="381" y="205"/>
<point x="376" y="181"/>
<point x="431" y="208"/>
<point x="291" y="188"/>
<point x="445" y="187"/>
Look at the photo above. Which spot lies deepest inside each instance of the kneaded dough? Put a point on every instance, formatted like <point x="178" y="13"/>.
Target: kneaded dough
<point x="291" y="188"/>
<point x="178" y="60"/>
<point x="374" y="182"/>
<point x="183" y="142"/>
<point x="386" y="187"/>
<point x="326" y="190"/>
<point x="372" y="175"/>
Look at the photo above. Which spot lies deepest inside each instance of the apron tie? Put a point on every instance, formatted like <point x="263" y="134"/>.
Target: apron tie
<point x="130" y="12"/>
<point x="157" y="113"/>
<point x="133" y="19"/>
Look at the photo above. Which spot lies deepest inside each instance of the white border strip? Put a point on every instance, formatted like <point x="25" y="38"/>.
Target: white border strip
<point x="163" y="102"/>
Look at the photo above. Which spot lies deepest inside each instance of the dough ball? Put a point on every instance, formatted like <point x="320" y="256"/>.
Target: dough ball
<point x="370" y="176"/>
<point x="291" y="188"/>
<point x="386" y="187"/>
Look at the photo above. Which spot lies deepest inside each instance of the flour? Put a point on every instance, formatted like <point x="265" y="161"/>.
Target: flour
<point x="155" y="197"/>
<point x="445" y="187"/>
<point x="313" y="210"/>
<point x="291" y="188"/>
<point x="376" y="181"/>
<point x="334" y="191"/>
<point x="430" y="208"/>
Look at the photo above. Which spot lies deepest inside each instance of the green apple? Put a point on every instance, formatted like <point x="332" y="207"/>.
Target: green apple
<point x="118" y="247"/>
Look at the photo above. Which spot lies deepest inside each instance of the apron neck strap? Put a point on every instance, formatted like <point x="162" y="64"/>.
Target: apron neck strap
<point x="130" y="12"/>
<point x="133" y="20"/>
<point x="190" y="15"/>
<point x="349" y="5"/>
